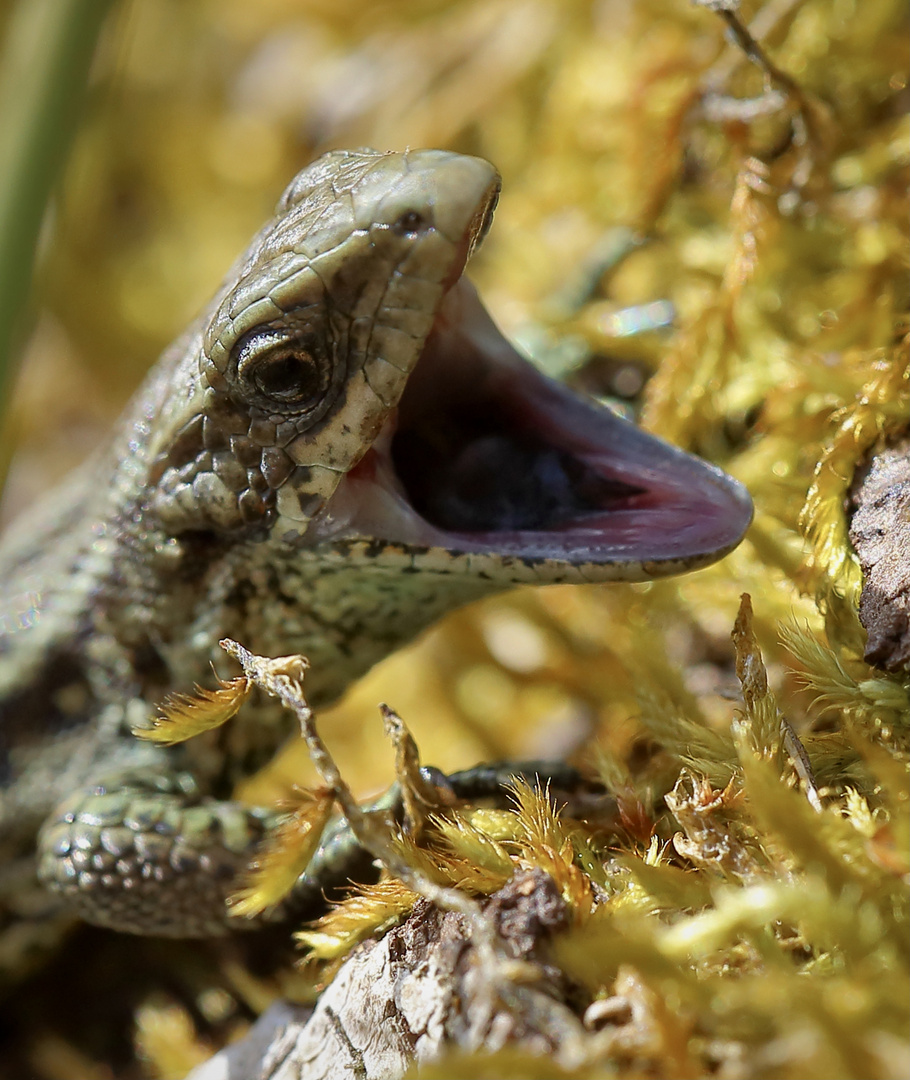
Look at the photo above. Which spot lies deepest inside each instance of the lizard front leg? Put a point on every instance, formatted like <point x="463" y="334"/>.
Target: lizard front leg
<point x="145" y="852"/>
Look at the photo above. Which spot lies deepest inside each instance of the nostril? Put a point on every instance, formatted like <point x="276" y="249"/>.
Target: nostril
<point x="410" y="223"/>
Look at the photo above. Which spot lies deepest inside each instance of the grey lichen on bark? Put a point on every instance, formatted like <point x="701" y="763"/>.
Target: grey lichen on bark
<point x="880" y="533"/>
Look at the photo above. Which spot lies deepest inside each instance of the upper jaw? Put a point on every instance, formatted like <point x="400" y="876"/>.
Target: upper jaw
<point x="487" y="457"/>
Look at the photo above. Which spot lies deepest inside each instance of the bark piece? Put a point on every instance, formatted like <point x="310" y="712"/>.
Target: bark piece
<point x="422" y="990"/>
<point x="260" y="1052"/>
<point x="880" y="534"/>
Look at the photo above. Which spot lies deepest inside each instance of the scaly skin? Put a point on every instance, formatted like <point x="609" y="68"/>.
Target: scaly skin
<point x="251" y="491"/>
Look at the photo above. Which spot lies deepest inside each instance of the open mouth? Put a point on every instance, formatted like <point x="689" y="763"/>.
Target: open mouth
<point x="486" y="456"/>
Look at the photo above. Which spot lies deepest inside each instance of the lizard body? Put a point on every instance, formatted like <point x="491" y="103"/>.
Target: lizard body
<point x="339" y="450"/>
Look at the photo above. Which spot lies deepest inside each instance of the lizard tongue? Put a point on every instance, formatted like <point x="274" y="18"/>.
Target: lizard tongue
<point x="485" y="455"/>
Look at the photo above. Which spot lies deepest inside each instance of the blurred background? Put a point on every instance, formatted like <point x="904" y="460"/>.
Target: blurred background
<point x="729" y="273"/>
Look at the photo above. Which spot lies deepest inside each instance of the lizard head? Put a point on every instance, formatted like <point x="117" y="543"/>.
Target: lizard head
<point x="351" y="393"/>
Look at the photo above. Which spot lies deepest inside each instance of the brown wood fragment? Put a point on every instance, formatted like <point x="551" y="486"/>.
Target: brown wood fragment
<point x="880" y="534"/>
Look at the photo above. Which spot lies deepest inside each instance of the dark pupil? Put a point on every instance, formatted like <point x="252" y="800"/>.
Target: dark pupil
<point x="290" y="377"/>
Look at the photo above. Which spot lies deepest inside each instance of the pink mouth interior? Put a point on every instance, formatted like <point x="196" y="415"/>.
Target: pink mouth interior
<point x="486" y="455"/>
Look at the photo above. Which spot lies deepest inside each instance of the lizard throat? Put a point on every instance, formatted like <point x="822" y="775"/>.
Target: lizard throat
<point x="486" y="456"/>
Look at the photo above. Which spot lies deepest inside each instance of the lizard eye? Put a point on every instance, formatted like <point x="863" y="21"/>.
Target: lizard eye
<point x="290" y="377"/>
<point x="283" y="374"/>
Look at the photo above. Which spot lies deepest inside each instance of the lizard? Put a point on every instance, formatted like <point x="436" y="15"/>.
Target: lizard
<point x="340" y="449"/>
